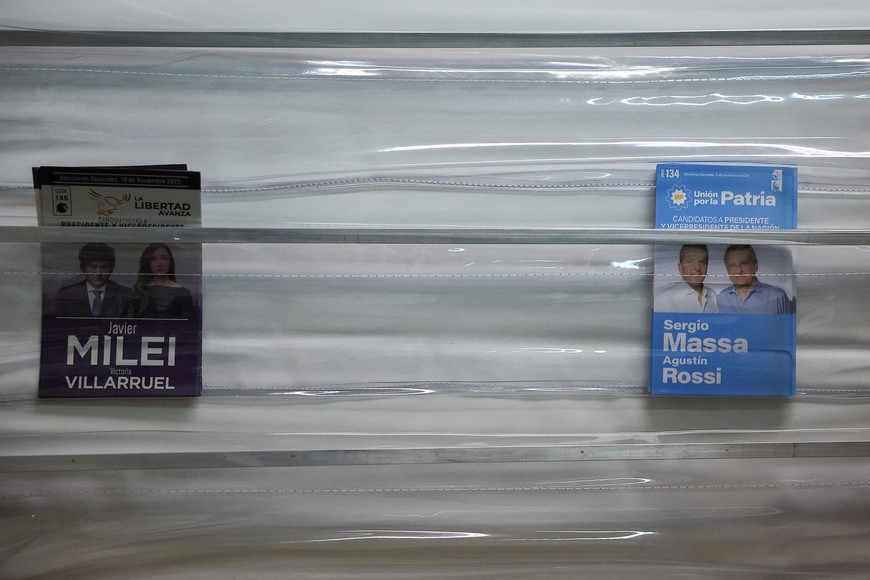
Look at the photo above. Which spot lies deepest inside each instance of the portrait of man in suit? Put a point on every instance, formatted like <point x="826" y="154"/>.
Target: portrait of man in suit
<point x="96" y="295"/>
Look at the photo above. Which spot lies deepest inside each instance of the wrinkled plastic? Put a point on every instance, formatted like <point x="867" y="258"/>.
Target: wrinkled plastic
<point x="332" y="347"/>
<point x="609" y="519"/>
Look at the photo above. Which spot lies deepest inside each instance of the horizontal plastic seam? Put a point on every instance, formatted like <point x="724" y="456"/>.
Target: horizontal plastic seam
<point x="377" y="180"/>
<point x="435" y="455"/>
<point x="431" y="235"/>
<point x="660" y="276"/>
<point x="281" y="395"/>
<point x="380" y="39"/>
<point x="645" y="186"/>
<point x="448" y="489"/>
<point x="493" y="185"/>
<point x="472" y="389"/>
<point x="469" y="79"/>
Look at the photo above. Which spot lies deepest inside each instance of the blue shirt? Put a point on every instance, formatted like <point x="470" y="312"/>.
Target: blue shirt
<point x="763" y="299"/>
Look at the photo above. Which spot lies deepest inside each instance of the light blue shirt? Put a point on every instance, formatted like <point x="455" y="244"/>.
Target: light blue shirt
<point x="762" y="299"/>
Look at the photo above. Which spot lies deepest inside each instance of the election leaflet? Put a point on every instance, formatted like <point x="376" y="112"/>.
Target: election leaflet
<point x="724" y="315"/>
<point x="120" y="319"/>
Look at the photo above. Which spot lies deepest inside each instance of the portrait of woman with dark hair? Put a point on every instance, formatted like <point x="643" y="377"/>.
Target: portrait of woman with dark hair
<point x="159" y="295"/>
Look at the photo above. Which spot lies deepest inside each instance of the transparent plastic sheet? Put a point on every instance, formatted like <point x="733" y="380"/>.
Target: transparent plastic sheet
<point x="421" y="347"/>
<point x="765" y="519"/>
<point x="498" y="318"/>
<point x="295" y="136"/>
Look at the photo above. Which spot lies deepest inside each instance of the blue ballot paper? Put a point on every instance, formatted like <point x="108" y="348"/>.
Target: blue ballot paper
<point x="724" y="315"/>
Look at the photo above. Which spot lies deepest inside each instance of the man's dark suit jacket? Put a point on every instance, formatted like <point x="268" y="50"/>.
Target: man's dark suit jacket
<point x="72" y="300"/>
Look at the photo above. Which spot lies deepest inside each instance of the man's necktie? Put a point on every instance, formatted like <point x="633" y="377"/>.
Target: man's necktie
<point x="97" y="306"/>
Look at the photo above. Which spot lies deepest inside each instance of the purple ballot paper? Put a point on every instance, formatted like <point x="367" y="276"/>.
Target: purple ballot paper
<point x="120" y="319"/>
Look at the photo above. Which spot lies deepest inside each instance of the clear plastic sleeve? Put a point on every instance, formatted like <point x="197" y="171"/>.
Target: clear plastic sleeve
<point x="427" y="288"/>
